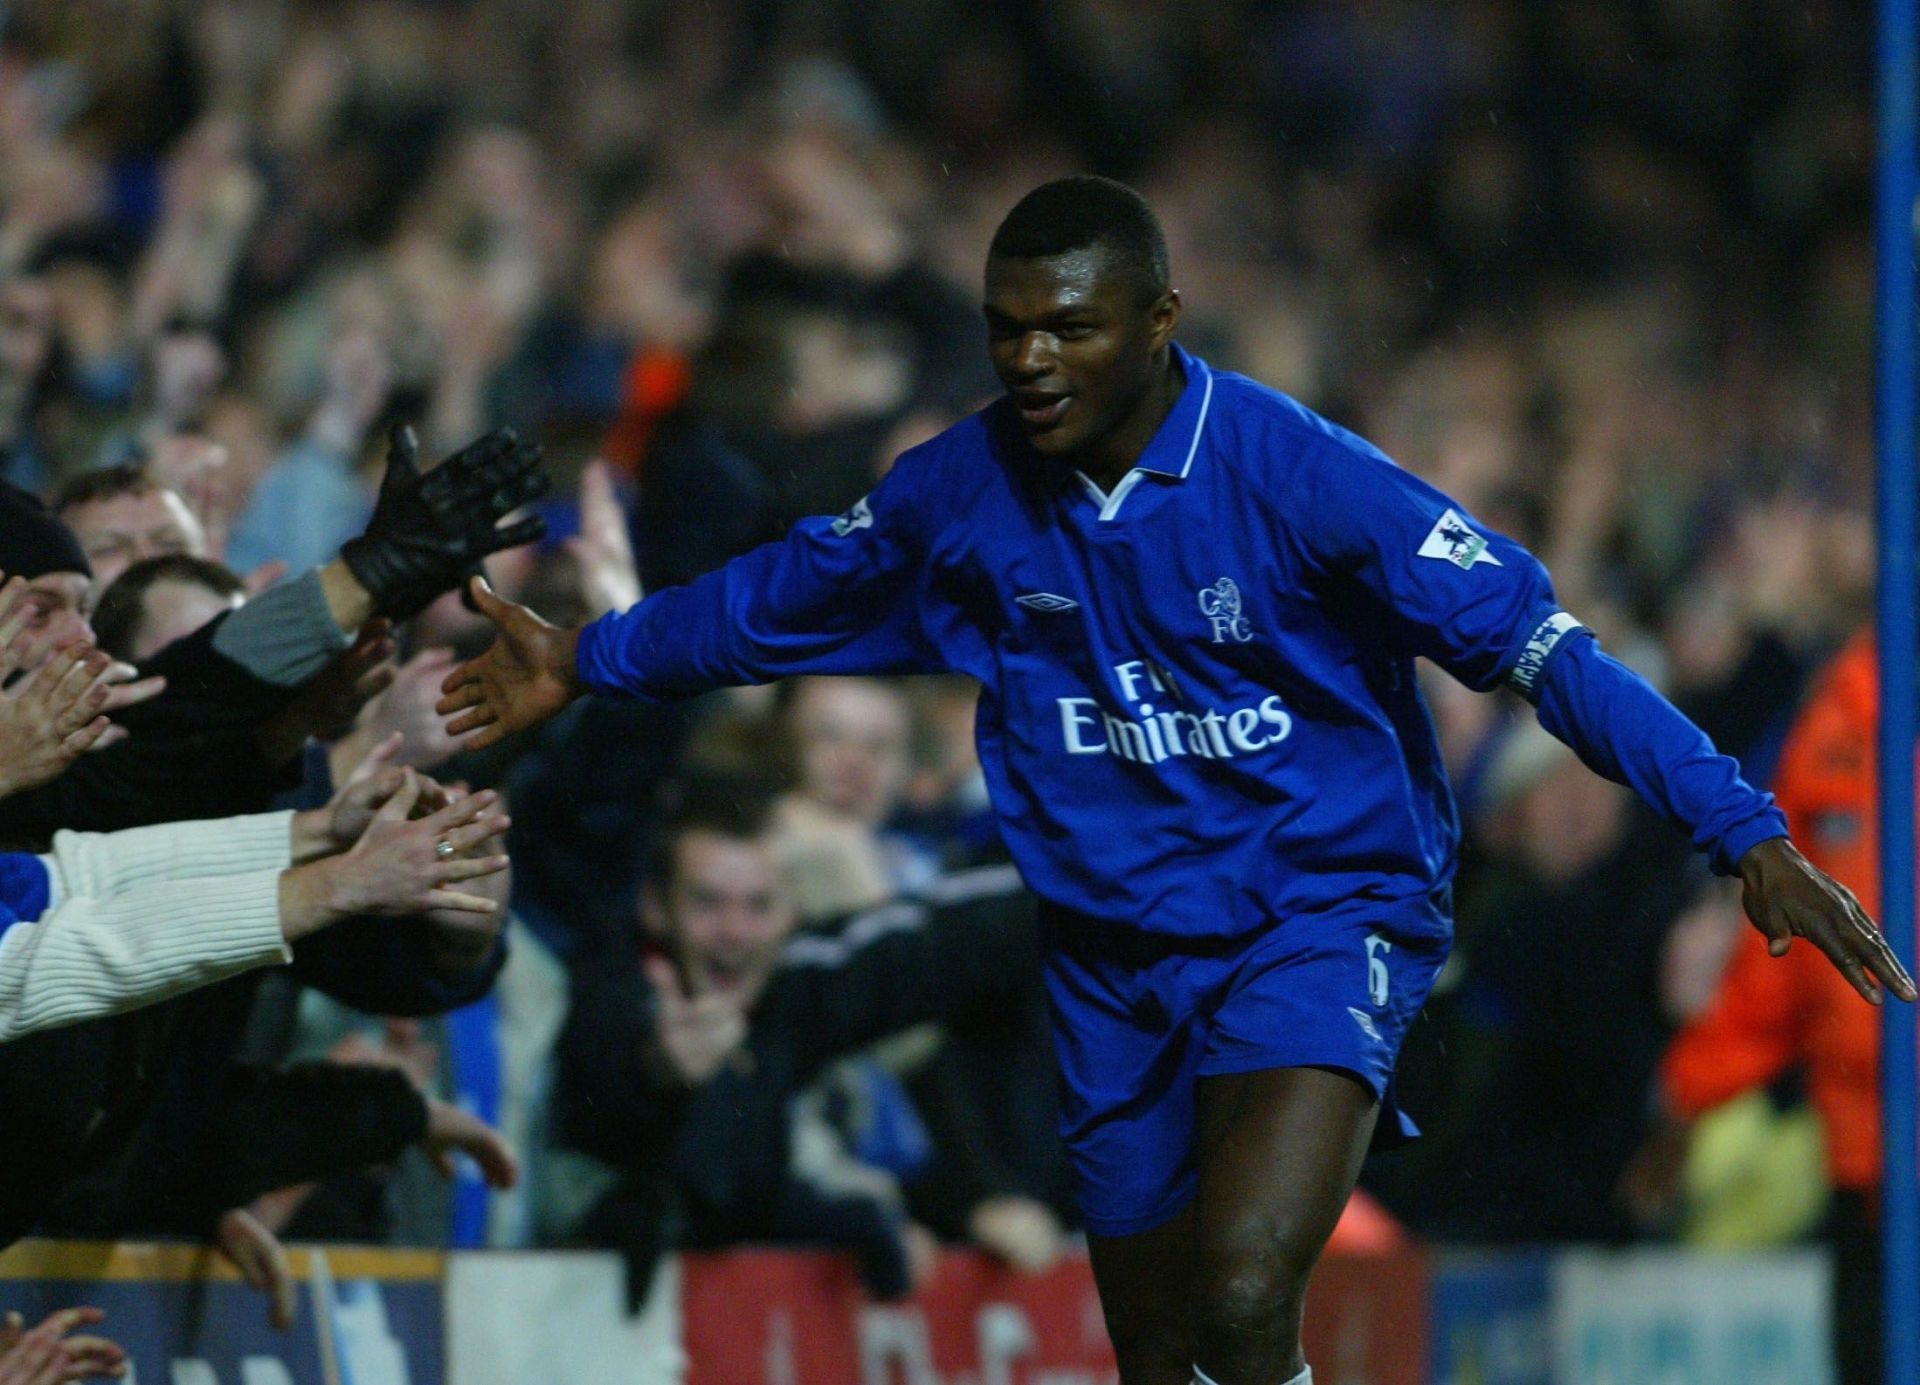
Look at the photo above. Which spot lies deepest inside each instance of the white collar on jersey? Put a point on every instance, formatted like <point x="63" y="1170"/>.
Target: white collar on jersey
<point x="1163" y="441"/>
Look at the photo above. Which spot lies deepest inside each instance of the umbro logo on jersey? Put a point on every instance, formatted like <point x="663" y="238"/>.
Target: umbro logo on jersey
<point x="1365" y="1021"/>
<point x="1046" y="601"/>
<point x="1451" y="540"/>
<point x="859" y="517"/>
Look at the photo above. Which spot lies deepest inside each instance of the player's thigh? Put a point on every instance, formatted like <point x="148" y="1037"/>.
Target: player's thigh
<point x="1145" y="1282"/>
<point x="1279" y="1151"/>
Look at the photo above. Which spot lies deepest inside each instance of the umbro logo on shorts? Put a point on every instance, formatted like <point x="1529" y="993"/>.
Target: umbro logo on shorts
<point x="1046" y="601"/>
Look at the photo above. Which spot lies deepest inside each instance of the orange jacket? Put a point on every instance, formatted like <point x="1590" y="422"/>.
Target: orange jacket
<point x="655" y="384"/>
<point x="1771" y="1013"/>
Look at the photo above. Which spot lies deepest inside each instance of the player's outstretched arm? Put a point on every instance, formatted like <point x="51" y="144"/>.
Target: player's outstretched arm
<point x="1483" y="608"/>
<point x="1625" y="730"/>
<point x="1787" y="896"/>
<point x="525" y="677"/>
<point x="835" y="596"/>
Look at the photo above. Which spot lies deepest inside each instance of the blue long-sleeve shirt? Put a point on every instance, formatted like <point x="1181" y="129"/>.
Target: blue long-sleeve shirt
<point x="1199" y="712"/>
<point x="306" y="506"/>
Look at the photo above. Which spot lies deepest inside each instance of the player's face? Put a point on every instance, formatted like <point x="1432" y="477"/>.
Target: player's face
<point x="1077" y="345"/>
<point x="725" y="914"/>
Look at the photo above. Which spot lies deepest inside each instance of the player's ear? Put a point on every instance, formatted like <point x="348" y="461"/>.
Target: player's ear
<point x="1164" y="314"/>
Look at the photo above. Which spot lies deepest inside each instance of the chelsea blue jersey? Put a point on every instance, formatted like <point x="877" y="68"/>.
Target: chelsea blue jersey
<point x="1199" y="712"/>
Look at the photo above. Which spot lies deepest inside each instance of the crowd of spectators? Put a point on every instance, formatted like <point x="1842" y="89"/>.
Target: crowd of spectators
<point x="1601" y="271"/>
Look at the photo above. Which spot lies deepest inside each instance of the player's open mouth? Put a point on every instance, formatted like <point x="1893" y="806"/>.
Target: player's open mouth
<point x="1040" y="412"/>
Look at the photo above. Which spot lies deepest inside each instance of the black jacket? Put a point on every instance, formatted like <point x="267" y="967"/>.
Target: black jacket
<point x="191" y="754"/>
<point x="135" y="1120"/>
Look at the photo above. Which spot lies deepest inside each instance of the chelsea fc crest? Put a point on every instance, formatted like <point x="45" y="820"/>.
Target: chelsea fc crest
<point x="1221" y="605"/>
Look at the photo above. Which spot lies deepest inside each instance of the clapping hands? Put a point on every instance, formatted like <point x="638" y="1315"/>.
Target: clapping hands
<point x="57" y="711"/>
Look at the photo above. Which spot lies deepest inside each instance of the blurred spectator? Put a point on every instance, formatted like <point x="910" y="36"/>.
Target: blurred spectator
<point x="38" y="548"/>
<point x="156" y="601"/>
<point x="945" y="807"/>
<point x="789" y="404"/>
<point x="311" y="499"/>
<point x="688" y="1043"/>
<point x="121" y="516"/>
<point x="851" y="741"/>
<point x="26" y="352"/>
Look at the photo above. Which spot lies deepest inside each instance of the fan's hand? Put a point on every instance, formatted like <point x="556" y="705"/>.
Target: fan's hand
<point x="430" y="530"/>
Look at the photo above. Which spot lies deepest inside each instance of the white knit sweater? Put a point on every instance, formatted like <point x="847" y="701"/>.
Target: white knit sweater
<point x="141" y="915"/>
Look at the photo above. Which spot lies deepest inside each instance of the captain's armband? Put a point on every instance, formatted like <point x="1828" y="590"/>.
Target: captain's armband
<point x="1548" y="637"/>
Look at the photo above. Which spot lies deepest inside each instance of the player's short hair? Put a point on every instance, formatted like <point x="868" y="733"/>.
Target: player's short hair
<point x="123" y="605"/>
<point x="723" y="805"/>
<point x="107" y="483"/>
<point x="1081" y="211"/>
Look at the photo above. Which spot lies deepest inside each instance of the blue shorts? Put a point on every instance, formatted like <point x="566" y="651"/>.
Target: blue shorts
<point x="1139" y="1018"/>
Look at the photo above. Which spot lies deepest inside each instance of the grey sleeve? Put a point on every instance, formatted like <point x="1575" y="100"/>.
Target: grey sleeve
<point x="285" y="635"/>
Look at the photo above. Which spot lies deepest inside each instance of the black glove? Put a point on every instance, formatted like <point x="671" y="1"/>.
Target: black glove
<point x="429" y="532"/>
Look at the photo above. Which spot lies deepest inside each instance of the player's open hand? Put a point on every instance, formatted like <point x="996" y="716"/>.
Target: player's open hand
<point x="524" y="678"/>
<point x="1787" y="896"/>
